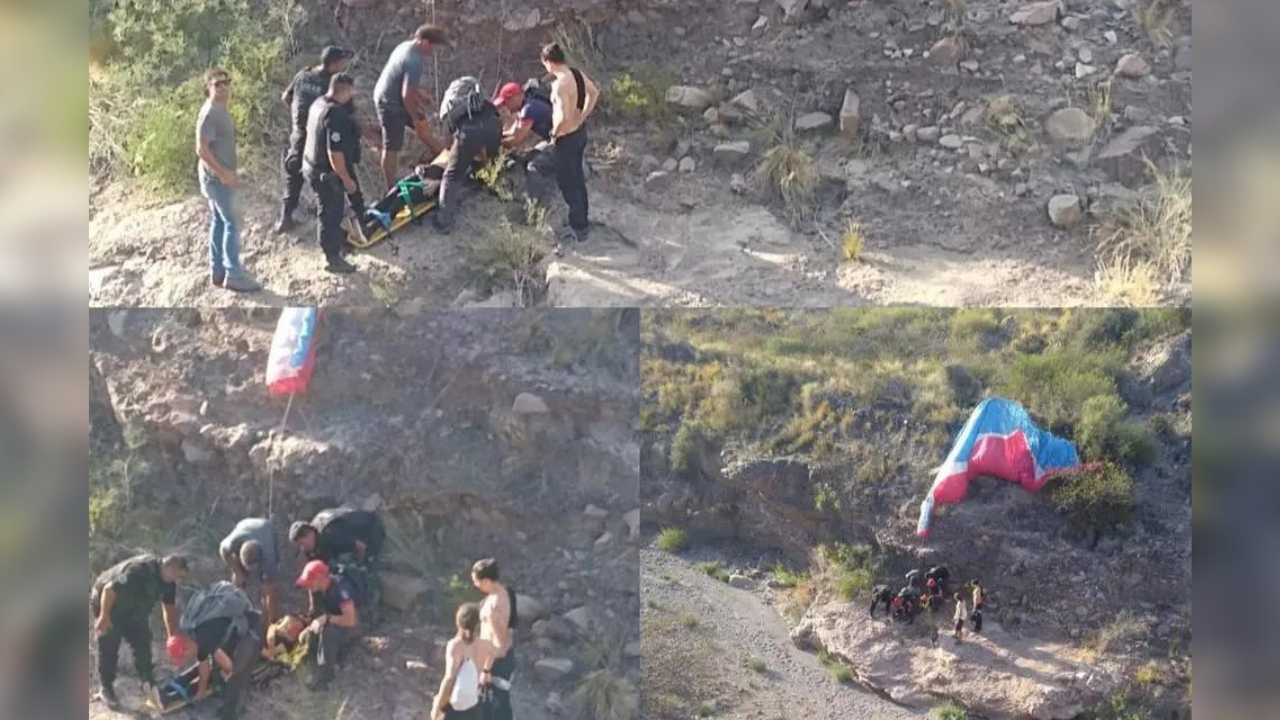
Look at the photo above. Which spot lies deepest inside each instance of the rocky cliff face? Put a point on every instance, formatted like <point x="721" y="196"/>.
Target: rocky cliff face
<point x="475" y="434"/>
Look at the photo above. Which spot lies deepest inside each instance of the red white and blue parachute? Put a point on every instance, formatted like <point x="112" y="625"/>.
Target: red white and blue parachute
<point x="1000" y="440"/>
<point x="293" y="351"/>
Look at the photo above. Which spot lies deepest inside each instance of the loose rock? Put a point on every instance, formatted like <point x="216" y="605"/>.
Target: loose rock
<point x="814" y="122"/>
<point x="851" y="114"/>
<point x="553" y="668"/>
<point x="1070" y="126"/>
<point x="1131" y="65"/>
<point x="730" y="154"/>
<point x="947" y="52"/>
<point x="1065" y="211"/>
<point x="1037" y="13"/>
<point x="689" y="97"/>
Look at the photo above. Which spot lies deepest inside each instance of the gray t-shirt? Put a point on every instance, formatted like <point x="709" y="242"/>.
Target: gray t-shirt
<point x="256" y="529"/>
<point x="217" y="128"/>
<point x="405" y="63"/>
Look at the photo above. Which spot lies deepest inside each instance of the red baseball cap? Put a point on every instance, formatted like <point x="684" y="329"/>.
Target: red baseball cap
<point x="313" y="571"/>
<point x="506" y="92"/>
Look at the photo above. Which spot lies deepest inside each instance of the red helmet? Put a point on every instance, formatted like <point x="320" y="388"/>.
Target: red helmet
<point x="178" y="647"/>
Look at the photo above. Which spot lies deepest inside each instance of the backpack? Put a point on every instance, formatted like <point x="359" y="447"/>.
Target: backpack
<point x="533" y="88"/>
<point x="466" y="688"/>
<point x="219" y="601"/>
<point x="462" y="100"/>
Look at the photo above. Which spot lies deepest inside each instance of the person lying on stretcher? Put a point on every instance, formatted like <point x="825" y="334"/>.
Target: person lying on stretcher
<point x="421" y="186"/>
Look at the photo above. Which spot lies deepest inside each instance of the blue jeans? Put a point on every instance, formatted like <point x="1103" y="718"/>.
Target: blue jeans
<point x="224" y="229"/>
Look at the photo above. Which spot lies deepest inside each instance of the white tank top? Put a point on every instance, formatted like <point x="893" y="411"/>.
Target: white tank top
<point x="466" y="688"/>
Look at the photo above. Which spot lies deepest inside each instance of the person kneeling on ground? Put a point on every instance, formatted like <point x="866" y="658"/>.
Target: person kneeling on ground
<point x="881" y="594"/>
<point x="336" y="628"/>
<point x="459" y="694"/>
<point x="905" y="604"/>
<point x="217" y="628"/>
<point x="941" y="574"/>
<point x="476" y="132"/>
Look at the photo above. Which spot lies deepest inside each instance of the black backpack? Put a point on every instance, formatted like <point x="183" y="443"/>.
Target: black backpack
<point x="534" y="88"/>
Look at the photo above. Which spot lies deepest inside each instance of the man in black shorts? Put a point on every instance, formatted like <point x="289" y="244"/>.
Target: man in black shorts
<point x="332" y="140"/>
<point x="400" y="101"/>
<point x="309" y="84"/>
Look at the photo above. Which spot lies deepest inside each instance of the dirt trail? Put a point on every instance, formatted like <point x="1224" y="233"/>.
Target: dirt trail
<point x="744" y="626"/>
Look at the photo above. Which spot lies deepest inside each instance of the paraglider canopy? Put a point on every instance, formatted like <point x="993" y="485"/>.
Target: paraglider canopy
<point x="293" y="354"/>
<point x="999" y="439"/>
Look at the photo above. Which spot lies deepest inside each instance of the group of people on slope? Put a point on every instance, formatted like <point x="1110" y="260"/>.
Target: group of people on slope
<point x="325" y="145"/>
<point x="910" y="601"/>
<point x="226" y="636"/>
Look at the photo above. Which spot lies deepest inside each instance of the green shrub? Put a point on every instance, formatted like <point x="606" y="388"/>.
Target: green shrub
<point x="852" y="584"/>
<point x="640" y="95"/>
<point x="1056" y="384"/>
<point x="950" y="711"/>
<point x="714" y="570"/>
<point x="690" y="442"/>
<point x="1096" y="500"/>
<point x="786" y="577"/>
<point x="161" y="141"/>
<point x="688" y="621"/>
<point x="1103" y="433"/>
<point x="706" y="709"/>
<point x="825" y="498"/>
<point x="842" y="674"/>
<point x="757" y="665"/>
<point x="604" y="696"/>
<point x="672" y="540"/>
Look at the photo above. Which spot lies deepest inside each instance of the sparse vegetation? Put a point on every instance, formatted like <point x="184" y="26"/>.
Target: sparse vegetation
<point x="714" y="570"/>
<point x="1104" y="433"/>
<point x="825" y="498"/>
<point x="756" y="665"/>
<point x="853" y="241"/>
<point x="1155" y="19"/>
<point x="672" y="540"/>
<point x="789" y="176"/>
<point x="706" y="709"/>
<point x="950" y="711"/>
<point x="640" y="95"/>
<point x="1149" y="674"/>
<point x="688" y="621"/>
<point x="1147" y="242"/>
<point x="1125" y="627"/>
<point x="841" y="673"/>
<point x="581" y="47"/>
<point x="513" y="253"/>
<point x="601" y="695"/>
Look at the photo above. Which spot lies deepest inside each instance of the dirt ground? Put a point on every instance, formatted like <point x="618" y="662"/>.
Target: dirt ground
<point x="954" y="220"/>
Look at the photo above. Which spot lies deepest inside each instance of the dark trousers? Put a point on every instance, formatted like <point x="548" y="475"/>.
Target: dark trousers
<point x="888" y="604"/>
<point x="332" y="646"/>
<point x="571" y="176"/>
<point x="329" y="211"/>
<point x="293" y="179"/>
<point x="243" y="660"/>
<point x="498" y="701"/>
<point x="136" y="632"/>
<point x="481" y="135"/>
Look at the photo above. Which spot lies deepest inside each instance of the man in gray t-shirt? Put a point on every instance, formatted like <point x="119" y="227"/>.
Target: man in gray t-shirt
<point x="399" y="100"/>
<point x="251" y="552"/>
<point x="216" y="148"/>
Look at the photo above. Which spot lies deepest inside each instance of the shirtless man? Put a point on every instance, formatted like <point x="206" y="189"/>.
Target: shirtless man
<point x="498" y="617"/>
<point x="573" y="99"/>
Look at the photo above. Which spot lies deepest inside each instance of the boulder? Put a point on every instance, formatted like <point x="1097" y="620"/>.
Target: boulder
<point x="731" y="154"/>
<point x="632" y="521"/>
<point x="1070" y="126"/>
<point x="793" y="10"/>
<point x="947" y="52"/>
<point x="814" y="122"/>
<point x="1168" y="366"/>
<point x="951" y="142"/>
<point x="581" y="618"/>
<point x="689" y="97"/>
<point x="747" y="100"/>
<point x="851" y="115"/>
<point x="531" y="609"/>
<point x="552" y="668"/>
<point x="402" y="592"/>
<point x="688" y="164"/>
<point x="195" y="454"/>
<point x="658" y="180"/>
<point x="1127" y="141"/>
<point x="1131" y="65"/>
<point x="529" y="404"/>
<point x="742" y="582"/>
<point x="1036" y="13"/>
<point x="928" y="134"/>
<point x="1065" y="211"/>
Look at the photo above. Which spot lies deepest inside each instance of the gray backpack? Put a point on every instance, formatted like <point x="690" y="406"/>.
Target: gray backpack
<point x="219" y="601"/>
<point x="462" y="101"/>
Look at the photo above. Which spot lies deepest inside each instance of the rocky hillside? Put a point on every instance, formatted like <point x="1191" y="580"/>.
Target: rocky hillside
<point x="821" y="153"/>
<point x="795" y="447"/>
<point x="491" y="434"/>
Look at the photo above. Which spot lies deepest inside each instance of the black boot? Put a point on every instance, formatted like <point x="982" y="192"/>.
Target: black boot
<point x="109" y="698"/>
<point x="286" y="222"/>
<point x="338" y="264"/>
